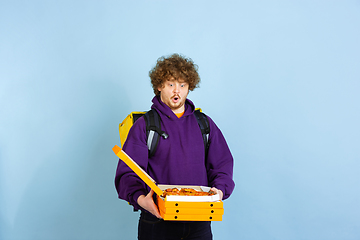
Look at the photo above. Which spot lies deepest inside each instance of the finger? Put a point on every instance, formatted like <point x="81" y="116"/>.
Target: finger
<point x="156" y="213"/>
<point x="155" y="210"/>
<point x="221" y="194"/>
<point x="150" y="193"/>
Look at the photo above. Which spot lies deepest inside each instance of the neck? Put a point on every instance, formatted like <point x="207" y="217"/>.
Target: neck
<point x="179" y="110"/>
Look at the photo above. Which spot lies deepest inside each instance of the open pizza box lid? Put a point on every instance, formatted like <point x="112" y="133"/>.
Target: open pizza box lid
<point x="158" y="189"/>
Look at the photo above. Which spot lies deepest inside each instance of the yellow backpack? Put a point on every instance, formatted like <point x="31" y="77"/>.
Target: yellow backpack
<point x="127" y="123"/>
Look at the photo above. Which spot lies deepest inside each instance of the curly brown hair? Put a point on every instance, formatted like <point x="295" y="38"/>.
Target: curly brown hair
<point x="177" y="67"/>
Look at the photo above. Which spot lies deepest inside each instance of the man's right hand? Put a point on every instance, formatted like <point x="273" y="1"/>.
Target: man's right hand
<point x="147" y="203"/>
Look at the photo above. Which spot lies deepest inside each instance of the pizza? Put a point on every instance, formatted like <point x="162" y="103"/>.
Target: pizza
<point x="186" y="192"/>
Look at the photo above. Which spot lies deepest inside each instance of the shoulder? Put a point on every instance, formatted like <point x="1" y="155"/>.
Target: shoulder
<point x="214" y="129"/>
<point x="202" y="114"/>
<point x="137" y="134"/>
<point x="139" y="125"/>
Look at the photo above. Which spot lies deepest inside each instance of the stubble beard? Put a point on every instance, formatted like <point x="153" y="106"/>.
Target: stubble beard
<point x="178" y="105"/>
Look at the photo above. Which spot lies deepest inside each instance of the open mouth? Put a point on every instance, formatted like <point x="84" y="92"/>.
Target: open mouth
<point x="176" y="98"/>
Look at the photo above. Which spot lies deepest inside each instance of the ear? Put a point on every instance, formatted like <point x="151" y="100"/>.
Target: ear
<point x="160" y="87"/>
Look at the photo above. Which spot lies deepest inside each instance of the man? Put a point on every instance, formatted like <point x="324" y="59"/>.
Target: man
<point x="179" y="159"/>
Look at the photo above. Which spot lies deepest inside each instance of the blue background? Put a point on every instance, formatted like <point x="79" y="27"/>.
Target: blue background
<point x="280" y="78"/>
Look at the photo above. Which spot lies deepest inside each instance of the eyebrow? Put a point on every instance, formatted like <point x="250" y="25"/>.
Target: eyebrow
<point x="182" y="81"/>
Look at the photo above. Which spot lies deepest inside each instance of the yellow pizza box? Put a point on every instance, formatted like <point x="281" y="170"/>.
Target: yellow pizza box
<point x="193" y="211"/>
<point x="193" y="208"/>
<point x="158" y="189"/>
<point x="186" y="204"/>
<point x="189" y="211"/>
<point x="174" y="217"/>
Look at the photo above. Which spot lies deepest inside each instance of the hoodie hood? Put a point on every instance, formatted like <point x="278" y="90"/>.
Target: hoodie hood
<point x="166" y="110"/>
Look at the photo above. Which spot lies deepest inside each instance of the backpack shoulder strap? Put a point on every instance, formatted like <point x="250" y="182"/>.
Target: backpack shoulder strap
<point x="204" y="127"/>
<point x="153" y="130"/>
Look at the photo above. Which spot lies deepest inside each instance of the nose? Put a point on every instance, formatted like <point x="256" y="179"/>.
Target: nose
<point x="176" y="88"/>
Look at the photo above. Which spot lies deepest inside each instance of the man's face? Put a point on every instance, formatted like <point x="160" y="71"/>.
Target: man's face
<point x="174" y="93"/>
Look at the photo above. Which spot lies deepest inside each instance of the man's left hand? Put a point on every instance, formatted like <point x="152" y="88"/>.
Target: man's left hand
<point x="218" y="192"/>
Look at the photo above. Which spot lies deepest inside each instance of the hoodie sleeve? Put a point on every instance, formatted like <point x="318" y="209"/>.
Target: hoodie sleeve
<point x="128" y="185"/>
<point x="219" y="162"/>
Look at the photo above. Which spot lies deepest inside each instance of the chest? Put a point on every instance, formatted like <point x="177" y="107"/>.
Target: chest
<point x="185" y="139"/>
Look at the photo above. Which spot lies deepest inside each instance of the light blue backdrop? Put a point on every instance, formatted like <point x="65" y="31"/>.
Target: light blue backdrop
<point x="280" y="78"/>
